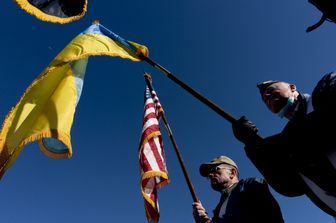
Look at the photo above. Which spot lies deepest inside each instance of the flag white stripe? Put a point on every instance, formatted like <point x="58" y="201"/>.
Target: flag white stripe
<point x="158" y="146"/>
<point x="150" y="122"/>
<point x="149" y="110"/>
<point x="147" y="151"/>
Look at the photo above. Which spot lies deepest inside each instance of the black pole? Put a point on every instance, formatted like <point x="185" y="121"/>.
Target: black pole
<point x="172" y="138"/>
<point x="199" y="96"/>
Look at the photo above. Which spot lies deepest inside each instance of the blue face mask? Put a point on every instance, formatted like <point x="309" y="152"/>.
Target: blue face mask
<point x="283" y="112"/>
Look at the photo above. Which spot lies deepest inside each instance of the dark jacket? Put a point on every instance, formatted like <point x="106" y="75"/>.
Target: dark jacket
<point x="250" y="201"/>
<point x="302" y="158"/>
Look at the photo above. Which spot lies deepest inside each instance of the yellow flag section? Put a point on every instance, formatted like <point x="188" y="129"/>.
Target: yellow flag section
<point x="57" y="11"/>
<point x="46" y="110"/>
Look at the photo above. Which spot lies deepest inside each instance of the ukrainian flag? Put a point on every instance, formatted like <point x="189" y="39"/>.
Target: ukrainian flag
<point x="46" y="110"/>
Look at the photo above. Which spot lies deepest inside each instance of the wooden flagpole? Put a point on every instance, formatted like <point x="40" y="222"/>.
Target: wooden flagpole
<point x="172" y="138"/>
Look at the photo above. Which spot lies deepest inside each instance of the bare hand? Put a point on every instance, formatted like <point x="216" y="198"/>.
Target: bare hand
<point x="200" y="214"/>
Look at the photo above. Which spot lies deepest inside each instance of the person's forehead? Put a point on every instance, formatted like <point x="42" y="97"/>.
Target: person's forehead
<point x="277" y="85"/>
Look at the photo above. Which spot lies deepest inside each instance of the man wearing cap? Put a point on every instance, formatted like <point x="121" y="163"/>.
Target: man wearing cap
<point x="241" y="201"/>
<point x="302" y="158"/>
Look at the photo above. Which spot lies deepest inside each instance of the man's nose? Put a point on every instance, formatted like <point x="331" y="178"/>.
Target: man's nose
<point x="211" y="174"/>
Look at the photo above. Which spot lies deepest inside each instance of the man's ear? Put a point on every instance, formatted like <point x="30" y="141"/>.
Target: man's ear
<point x="233" y="173"/>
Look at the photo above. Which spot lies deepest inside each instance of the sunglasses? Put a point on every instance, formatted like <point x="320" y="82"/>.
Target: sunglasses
<point x="217" y="168"/>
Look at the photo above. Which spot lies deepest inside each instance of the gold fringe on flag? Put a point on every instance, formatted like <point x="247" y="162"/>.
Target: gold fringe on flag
<point x="65" y="14"/>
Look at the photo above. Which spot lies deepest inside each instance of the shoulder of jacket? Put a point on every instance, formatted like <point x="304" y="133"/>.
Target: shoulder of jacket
<point x="254" y="180"/>
<point x="253" y="185"/>
<point x="326" y="79"/>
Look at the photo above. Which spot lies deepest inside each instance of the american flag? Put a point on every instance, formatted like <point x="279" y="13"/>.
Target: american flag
<point x="153" y="168"/>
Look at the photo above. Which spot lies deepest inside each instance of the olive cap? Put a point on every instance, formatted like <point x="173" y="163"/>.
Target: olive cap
<point x="206" y="167"/>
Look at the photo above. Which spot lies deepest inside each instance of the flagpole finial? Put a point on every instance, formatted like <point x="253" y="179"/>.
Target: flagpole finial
<point x="95" y="22"/>
<point x="147" y="75"/>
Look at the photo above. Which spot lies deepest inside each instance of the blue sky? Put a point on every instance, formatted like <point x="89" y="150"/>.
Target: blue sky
<point x="221" y="48"/>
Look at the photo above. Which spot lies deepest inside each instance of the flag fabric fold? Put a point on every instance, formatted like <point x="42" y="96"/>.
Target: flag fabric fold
<point x="46" y="110"/>
<point x="153" y="168"/>
<point x="57" y="11"/>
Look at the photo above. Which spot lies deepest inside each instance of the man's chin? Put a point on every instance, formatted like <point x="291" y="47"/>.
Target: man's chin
<point x="275" y="109"/>
<point x="216" y="186"/>
<point x="278" y="105"/>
